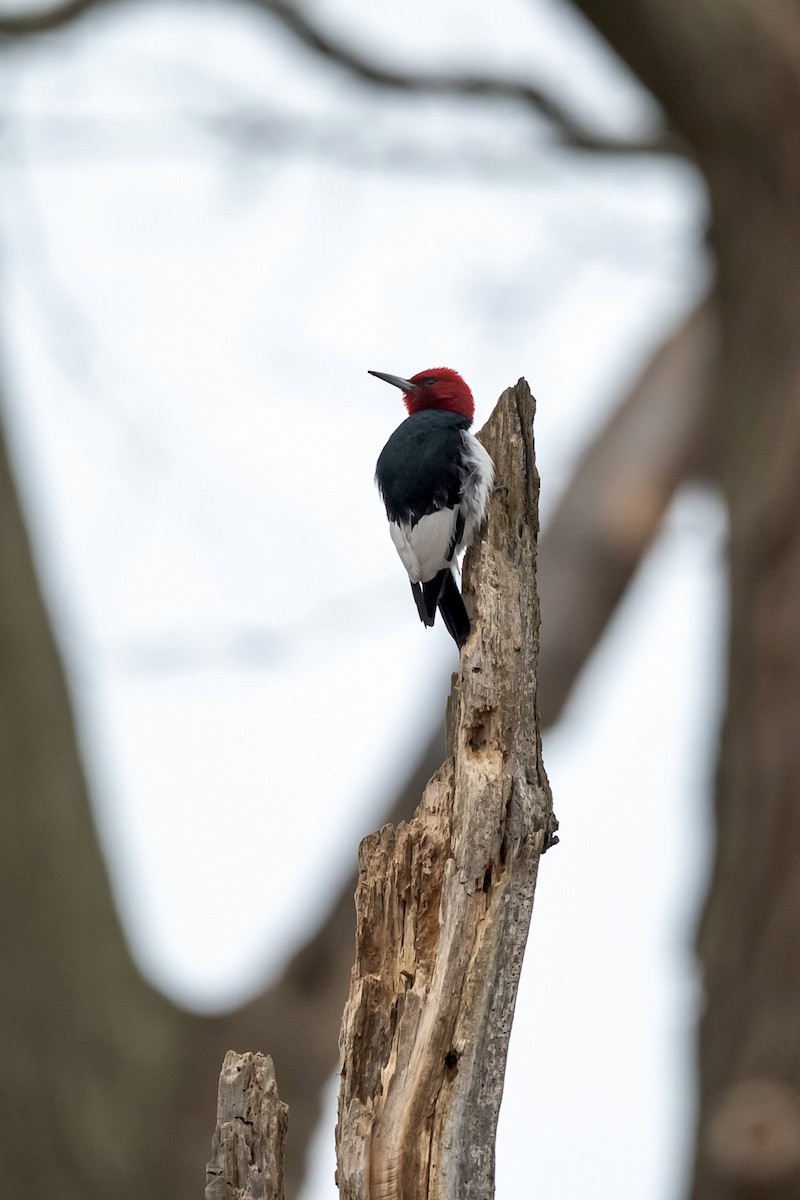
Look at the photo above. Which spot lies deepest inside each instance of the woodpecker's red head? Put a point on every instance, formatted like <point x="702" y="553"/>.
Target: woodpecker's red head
<point x="437" y="388"/>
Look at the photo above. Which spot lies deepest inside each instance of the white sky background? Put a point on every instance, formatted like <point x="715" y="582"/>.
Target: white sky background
<point x="190" y="311"/>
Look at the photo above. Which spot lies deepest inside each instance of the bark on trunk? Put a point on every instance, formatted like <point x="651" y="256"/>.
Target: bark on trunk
<point x="444" y="902"/>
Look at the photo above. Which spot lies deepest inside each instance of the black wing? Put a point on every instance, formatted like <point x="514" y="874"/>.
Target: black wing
<point x="420" y="469"/>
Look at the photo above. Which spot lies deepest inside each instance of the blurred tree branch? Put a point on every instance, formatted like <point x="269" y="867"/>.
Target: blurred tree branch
<point x="567" y="128"/>
<point x="616" y="500"/>
<point x="41" y="20"/>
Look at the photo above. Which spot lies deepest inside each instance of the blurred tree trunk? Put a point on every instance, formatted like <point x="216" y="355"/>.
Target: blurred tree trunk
<point x="94" y="1059"/>
<point x="728" y="75"/>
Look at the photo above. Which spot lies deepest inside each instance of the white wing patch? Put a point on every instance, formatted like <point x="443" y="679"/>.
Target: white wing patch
<point x="423" y="549"/>
<point x="477" y="487"/>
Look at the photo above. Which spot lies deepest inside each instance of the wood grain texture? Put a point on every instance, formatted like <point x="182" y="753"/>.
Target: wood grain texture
<point x="444" y="901"/>
<point x="250" y="1137"/>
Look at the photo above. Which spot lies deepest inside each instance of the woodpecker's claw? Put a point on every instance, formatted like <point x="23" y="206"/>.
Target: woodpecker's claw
<point x="550" y="837"/>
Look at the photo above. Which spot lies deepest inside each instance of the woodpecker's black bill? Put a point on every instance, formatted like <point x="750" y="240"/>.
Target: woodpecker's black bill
<point x="397" y="381"/>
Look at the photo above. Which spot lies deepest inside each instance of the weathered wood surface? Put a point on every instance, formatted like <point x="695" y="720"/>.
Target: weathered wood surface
<point x="248" y="1144"/>
<point x="444" y="901"/>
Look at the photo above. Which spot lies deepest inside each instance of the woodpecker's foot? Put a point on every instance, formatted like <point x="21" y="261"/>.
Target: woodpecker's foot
<point x="550" y="837"/>
<point x="499" y="488"/>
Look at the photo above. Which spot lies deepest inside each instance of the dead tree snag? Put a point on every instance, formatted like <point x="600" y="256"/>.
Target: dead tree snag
<point x="444" y="901"/>
<point x="248" y="1144"/>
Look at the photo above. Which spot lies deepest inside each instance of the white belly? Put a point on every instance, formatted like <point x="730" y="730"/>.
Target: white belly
<point x="428" y="546"/>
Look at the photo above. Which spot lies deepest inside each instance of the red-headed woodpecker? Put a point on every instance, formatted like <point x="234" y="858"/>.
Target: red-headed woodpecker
<point x="435" y="479"/>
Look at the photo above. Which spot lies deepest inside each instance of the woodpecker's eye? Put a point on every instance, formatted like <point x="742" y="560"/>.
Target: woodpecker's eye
<point x="429" y="382"/>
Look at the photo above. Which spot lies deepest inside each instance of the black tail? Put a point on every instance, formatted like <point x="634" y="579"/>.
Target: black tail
<point x="442" y="590"/>
<point x="454" y="614"/>
<point x="426" y="599"/>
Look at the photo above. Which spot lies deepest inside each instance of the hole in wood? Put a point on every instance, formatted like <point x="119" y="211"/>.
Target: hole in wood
<point x="482" y="732"/>
<point x="451" y="1062"/>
